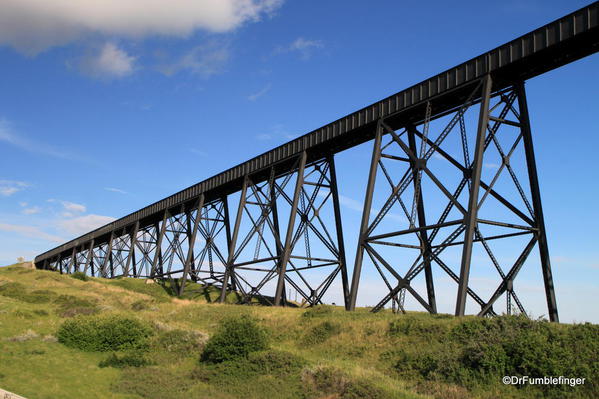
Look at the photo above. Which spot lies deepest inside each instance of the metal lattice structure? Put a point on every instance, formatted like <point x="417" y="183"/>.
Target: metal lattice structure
<point x="452" y="182"/>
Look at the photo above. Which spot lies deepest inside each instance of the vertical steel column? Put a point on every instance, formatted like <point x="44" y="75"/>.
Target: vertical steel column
<point x="339" y="228"/>
<point x="108" y="258"/>
<point x="376" y="156"/>
<point x="275" y="213"/>
<point x="424" y="243"/>
<point x="73" y="261"/>
<point x="536" y="201"/>
<point x="131" y="255"/>
<point x="59" y="261"/>
<point x="470" y="219"/>
<point x="233" y="244"/>
<point x="189" y="236"/>
<point x="90" y="255"/>
<point x="191" y="242"/>
<point x="299" y="183"/>
<point x="227" y="223"/>
<point x="92" y="265"/>
<point x="158" y="252"/>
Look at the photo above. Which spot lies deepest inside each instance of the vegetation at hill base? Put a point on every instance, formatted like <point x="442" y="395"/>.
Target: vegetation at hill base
<point x="81" y="337"/>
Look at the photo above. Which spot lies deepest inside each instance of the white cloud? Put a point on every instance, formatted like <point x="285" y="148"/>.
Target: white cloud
<point x="8" y="135"/>
<point x="31" y="211"/>
<point x="83" y="224"/>
<point x="264" y="137"/>
<point x="30" y="231"/>
<point x="23" y="204"/>
<point x="260" y="93"/>
<point x="115" y="190"/>
<point x="205" y="60"/>
<point x="9" y="187"/>
<point x="73" y="207"/>
<point x="198" y="152"/>
<point x="491" y="165"/>
<point x="32" y="26"/>
<point x="351" y="203"/>
<point x="304" y="47"/>
<point x="110" y="62"/>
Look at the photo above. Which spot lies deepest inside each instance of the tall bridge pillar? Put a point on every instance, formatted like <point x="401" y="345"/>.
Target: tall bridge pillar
<point x="491" y="198"/>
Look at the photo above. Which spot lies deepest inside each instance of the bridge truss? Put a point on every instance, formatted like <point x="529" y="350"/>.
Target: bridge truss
<point x="452" y="184"/>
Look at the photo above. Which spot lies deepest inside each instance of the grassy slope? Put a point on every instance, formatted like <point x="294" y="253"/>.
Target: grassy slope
<point x="38" y="367"/>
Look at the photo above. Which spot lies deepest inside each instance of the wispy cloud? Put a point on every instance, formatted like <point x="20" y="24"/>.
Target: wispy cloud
<point x="351" y="203"/>
<point x="109" y="62"/>
<point x="115" y="190"/>
<point x="30" y="231"/>
<point x="31" y="211"/>
<point x="198" y="152"/>
<point x="9" y="187"/>
<point x="304" y="47"/>
<point x="260" y="93"/>
<point x="70" y="209"/>
<point x="206" y="60"/>
<point x="84" y="224"/>
<point x="491" y="165"/>
<point x="8" y="135"/>
<point x="263" y="137"/>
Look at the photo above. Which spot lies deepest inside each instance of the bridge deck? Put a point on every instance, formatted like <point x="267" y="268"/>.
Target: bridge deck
<point x="565" y="40"/>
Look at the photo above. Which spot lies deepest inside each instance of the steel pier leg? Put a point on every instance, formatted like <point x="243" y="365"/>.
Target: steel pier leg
<point x="158" y="255"/>
<point x="192" y="240"/>
<point x="470" y="219"/>
<point x="290" y="228"/>
<point x="425" y="244"/>
<point x="339" y="227"/>
<point x="376" y="155"/>
<point x="233" y="243"/>
<point x="536" y="201"/>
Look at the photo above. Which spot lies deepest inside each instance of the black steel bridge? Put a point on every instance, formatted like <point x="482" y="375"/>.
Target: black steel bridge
<point x="431" y="208"/>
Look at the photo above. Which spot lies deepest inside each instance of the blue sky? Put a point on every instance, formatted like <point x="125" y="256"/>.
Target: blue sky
<point x="105" y="109"/>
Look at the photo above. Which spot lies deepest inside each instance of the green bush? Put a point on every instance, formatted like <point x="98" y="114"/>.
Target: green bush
<point x="128" y="359"/>
<point x="410" y="325"/>
<point x="275" y="362"/>
<point x="80" y="276"/>
<point x="322" y="332"/>
<point x="283" y="365"/>
<point x="236" y="338"/>
<point x="107" y="333"/>
<point x="478" y="351"/>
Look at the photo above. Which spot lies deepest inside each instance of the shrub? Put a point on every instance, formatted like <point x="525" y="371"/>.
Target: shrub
<point x="129" y="359"/>
<point x="322" y="332"/>
<point x="80" y="276"/>
<point x="408" y="325"/>
<point x="112" y="333"/>
<point x="236" y="338"/>
<point x="275" y="362"/>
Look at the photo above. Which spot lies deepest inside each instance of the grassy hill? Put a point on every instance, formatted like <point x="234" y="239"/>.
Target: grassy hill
<point x="58" y="337"/>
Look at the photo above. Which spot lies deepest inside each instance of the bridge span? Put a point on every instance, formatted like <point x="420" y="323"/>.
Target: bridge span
<point x="430" y="208"/>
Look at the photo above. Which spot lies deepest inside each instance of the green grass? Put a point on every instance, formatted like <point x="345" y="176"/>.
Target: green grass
<point x="322" y="352"/>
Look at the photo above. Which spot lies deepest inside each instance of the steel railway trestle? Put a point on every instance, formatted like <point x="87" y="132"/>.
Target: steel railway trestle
<point x="433" y="206"/>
